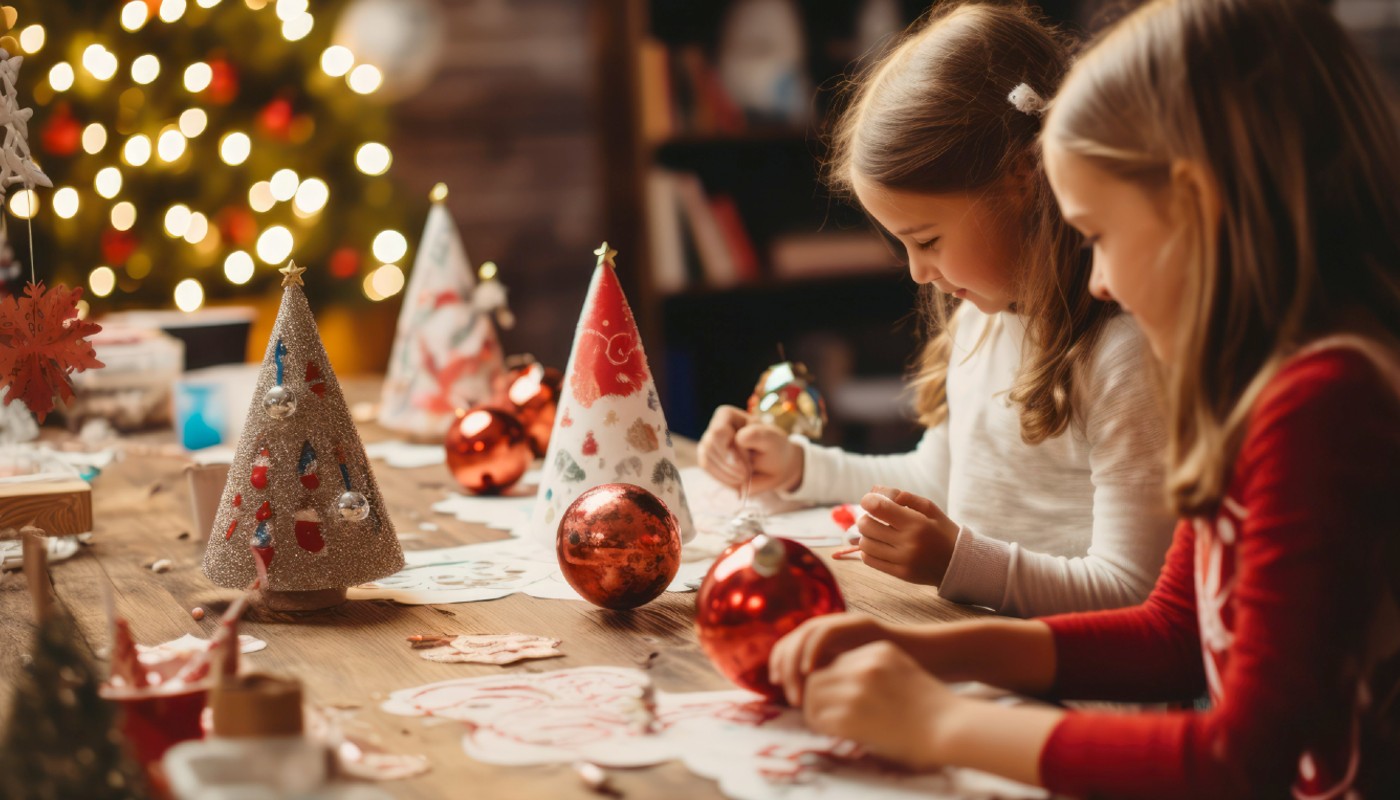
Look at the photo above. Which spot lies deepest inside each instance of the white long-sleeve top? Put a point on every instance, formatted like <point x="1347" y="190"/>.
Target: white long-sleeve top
<point x="1077" y="522"/>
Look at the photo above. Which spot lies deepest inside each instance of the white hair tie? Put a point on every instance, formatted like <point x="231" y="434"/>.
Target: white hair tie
<point x="1027" y="100"/>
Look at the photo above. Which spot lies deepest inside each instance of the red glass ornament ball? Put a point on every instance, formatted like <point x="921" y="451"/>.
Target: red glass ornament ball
<point x="619" y="546"/>
<point x="487" y="450"/>
<point x="755" y="593"/>
<point x="533" y="390"/>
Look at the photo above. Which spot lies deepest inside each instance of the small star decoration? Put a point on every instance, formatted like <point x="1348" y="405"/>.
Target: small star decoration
<point x="604" y="254"/>
<point x="292" y="274"/>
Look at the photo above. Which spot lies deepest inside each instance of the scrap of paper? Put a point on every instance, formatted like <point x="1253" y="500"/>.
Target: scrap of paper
<point x="189" y="645"/>
<point x="476" y="572"/>
<point x="405" y="455"/>
<point x="612" y="717"/>
<point x="59" y="548"/>
<point x="491" y="648"/>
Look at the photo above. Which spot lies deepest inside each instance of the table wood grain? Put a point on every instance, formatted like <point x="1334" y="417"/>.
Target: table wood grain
<point x="355" y="655"/>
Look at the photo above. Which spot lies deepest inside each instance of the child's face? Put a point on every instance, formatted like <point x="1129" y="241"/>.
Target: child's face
<point x="964" y="244"/>
<point x="1137" y="258"/>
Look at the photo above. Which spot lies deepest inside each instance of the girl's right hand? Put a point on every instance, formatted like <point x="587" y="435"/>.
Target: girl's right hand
<point x="735" y="449"/>
<point x="816" y="643"/>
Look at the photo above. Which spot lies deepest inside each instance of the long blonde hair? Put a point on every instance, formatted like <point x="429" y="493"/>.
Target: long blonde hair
<point x="1273" y="100"/>
<point x="933" y="116"/>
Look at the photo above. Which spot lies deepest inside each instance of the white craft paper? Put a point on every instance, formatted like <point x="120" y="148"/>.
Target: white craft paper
<point x="191" y="645"/>
<point x="405" y="455"/>
<point x="612" y="717"/>
<point x="476" y="572"/>
<point x="59" y="548"/>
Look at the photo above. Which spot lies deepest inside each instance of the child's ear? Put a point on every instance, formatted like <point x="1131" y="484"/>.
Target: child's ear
<point x="1194" y="188"/>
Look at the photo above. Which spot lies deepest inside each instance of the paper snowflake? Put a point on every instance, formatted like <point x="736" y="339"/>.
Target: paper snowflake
<point x="16" y="166"/>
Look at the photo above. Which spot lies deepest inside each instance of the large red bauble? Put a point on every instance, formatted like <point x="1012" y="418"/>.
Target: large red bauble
<point x="619" y="546"/>
<point x="755" y="593"/>
<point x="487" y="450"/>
<point x="533" y="389"/>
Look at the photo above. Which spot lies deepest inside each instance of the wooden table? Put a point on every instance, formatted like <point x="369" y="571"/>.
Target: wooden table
<point x="354" y="655"/>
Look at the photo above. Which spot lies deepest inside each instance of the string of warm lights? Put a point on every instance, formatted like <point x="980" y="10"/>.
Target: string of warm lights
<point x="305" y="196"/>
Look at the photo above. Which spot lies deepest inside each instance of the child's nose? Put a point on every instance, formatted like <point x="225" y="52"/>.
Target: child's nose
<point x="921" y="269"/>
<point x="1098" y="285"/>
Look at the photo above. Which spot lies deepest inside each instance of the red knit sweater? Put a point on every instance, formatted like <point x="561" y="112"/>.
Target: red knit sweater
<point x="1283" y="605"/>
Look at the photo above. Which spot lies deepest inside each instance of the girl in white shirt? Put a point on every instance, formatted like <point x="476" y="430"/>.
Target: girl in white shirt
<point x="1037" y="487"/>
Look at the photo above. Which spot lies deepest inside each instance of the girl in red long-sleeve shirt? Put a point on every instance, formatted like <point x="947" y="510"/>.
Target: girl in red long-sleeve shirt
<point x="1234" y="166"/>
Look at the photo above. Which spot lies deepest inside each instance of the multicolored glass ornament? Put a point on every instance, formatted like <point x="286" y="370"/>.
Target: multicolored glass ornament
<point x="756" y="593"/>
<point x="786" y="397"/>
<point x="619" y="546"/>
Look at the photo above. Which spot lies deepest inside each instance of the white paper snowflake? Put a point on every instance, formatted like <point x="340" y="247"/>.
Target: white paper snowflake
<point x="16" y="166"/>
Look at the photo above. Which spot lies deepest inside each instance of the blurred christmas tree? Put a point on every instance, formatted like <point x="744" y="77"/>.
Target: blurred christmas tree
<point x="196" y="145"/>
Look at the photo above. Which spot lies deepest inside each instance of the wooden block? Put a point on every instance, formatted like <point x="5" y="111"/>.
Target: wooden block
<point x="60" y="507"/>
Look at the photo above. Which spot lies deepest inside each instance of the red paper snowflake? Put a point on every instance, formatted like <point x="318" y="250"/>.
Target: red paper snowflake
<point x="42" y="342"/>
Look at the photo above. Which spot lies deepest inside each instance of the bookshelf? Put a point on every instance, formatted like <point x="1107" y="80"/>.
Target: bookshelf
<point x="731" y="247"/>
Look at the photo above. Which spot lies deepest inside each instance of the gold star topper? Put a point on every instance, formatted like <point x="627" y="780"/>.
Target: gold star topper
<point x="292" y="274"/>
<point x="604" y="253"/>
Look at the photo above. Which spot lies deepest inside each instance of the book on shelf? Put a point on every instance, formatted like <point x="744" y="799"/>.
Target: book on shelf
<point x="716" y="260"/>
<point x="688" y="226"/>
<point x="682" y="94"/>
<point x="667" y="240"/>
<point x="828" y="254"/>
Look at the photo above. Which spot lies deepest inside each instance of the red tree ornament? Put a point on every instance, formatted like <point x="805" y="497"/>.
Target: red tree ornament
<point x="223" y="82"/>
<point x="42" y="342"/>
<point x="62" y="134"/>
<point x="619" y="546"/>
<point x="534" y="392"/>
<point x="117" y="246"/>
<point x="275" y="119"/>
<point x="488" y="450"/>
<point x="756" y="593"/>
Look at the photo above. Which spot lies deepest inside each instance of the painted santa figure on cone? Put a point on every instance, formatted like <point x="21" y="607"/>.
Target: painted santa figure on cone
<point x="609" y="427"/>
<point x="446" y="353"/>
<point x="300" y="495"/>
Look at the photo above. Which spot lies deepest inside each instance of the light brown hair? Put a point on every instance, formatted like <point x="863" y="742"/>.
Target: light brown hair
<point x="1275" y="103"/>
<point x="933" y="116"/>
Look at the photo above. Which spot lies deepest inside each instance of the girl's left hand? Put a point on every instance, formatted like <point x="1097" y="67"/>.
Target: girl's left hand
<point x="880" y="698"/>
<point x="905" y="535"/>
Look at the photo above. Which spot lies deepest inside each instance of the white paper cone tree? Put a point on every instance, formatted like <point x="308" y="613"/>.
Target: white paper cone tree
<point x="609" y="427"/>
<point x="446" y="353"/>
<point x="300" y="494"/>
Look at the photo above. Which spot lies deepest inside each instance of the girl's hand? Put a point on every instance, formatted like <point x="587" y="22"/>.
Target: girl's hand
<point x="736" y="450"/>
<point x="879" y="697"/>
<point x="906" y="536"/>
<point x="815" y="644"/>
<point x="717" y="453"/>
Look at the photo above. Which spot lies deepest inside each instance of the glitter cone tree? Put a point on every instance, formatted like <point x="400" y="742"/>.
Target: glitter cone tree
<point x="300" y="495"/>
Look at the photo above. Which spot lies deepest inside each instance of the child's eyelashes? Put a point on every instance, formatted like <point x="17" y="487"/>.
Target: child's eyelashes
<point x="929" y="245"/>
